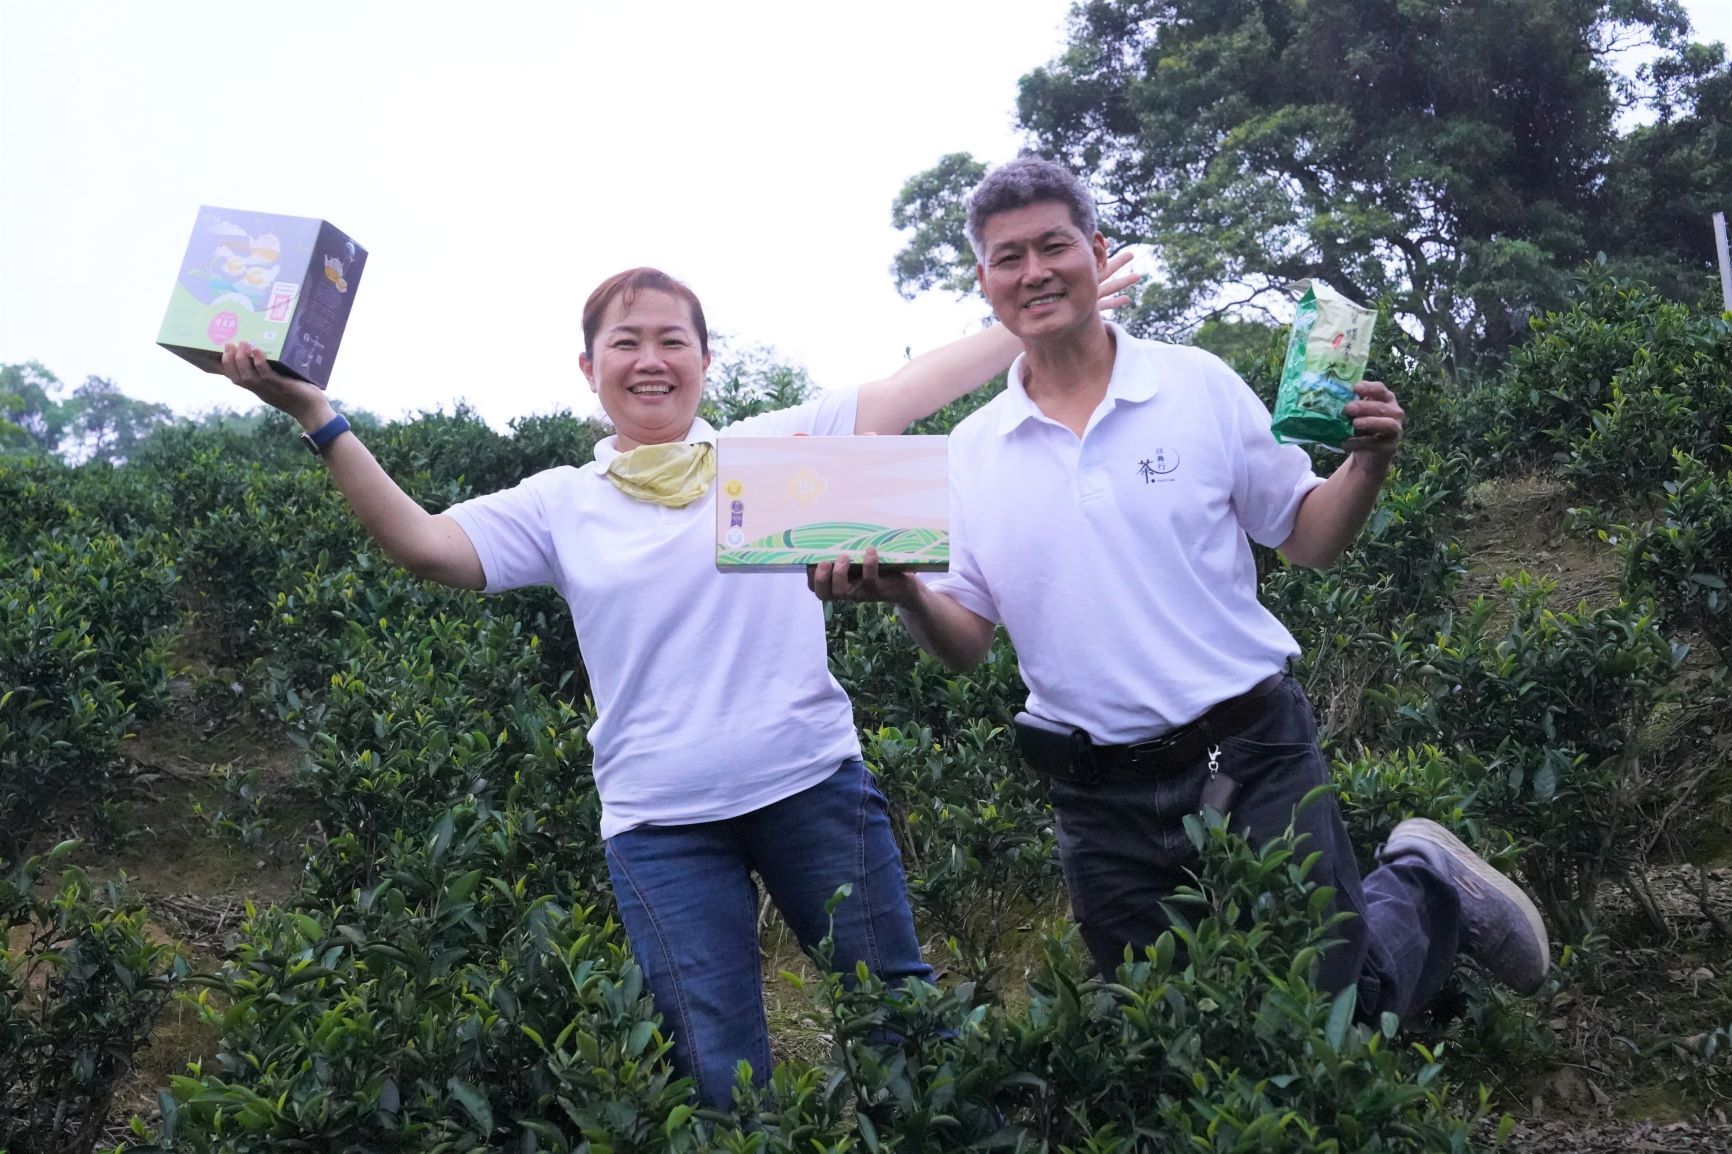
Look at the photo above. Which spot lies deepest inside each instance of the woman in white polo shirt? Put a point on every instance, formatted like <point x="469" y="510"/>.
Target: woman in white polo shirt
<point x="723" y="746"/>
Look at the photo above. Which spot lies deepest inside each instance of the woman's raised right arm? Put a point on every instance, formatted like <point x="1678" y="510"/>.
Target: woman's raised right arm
<point x="430" y="545"/>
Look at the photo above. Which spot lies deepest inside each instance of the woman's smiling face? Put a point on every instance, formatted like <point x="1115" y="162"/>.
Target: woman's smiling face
<point x="647" y="365"/>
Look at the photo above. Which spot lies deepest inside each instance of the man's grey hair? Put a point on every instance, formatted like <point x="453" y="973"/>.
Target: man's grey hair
<point x="1021" y="182"/>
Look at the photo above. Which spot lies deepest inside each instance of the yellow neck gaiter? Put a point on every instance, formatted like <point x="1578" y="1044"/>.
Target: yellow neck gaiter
<point x="670" y="475"/>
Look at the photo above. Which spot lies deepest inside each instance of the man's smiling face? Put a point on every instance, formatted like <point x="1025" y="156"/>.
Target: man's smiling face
<point x="1040" y="273"/>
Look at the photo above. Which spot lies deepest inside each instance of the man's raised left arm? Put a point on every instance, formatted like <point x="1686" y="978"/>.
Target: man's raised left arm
<point x="1332" y="514"/>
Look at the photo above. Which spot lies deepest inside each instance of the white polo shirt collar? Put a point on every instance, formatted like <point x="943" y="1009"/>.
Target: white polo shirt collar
<point x="608" y="448"/>
<point x="1127" y="383"/>
<point x="1120" y="563"/>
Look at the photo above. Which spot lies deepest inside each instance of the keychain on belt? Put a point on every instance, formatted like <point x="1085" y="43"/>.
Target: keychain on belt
<point x="1220" y="790"/>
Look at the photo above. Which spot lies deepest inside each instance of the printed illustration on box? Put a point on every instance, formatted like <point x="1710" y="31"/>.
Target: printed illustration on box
<point x="282" y="283"/>
<point x="789" y="502"/>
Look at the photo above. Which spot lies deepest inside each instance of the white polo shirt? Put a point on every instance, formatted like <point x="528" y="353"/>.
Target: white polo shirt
<point x="1119" y="563"/>
<point x="713" y="691"/>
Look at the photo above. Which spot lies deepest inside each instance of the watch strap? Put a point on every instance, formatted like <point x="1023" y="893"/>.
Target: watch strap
<point x="320" y="438"/>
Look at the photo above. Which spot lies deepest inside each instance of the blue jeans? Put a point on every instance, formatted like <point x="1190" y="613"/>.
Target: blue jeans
<point x="1123" y="846"/>
<point x="690" y="907"/>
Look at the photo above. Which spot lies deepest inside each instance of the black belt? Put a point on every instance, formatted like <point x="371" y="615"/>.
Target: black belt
<point x="1178" y="747"/>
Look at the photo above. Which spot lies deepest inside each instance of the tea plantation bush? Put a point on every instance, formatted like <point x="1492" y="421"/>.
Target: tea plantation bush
<point x="450" y="976"/>
<point x="504" y="1022"/>
<point x="85" y="621"/>
<point x="1552" y="702"/>
<point x="1609" y="388"/>
<point x="80" y="985"/>
<point x="1684" y="559"/>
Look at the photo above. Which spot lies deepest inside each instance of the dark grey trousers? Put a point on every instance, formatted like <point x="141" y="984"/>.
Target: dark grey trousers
<point x="1123" y="845"/>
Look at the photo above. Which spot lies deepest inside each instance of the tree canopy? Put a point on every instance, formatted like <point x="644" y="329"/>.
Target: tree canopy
<point x="97" y="422"/>
<point x="1456" y="159"/>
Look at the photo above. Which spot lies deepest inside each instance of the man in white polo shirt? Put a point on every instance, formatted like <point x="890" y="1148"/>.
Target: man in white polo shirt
<point x="1102" y="509"/>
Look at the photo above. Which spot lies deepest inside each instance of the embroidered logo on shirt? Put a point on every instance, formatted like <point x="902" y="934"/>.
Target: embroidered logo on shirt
<point x="1157" y="467"/>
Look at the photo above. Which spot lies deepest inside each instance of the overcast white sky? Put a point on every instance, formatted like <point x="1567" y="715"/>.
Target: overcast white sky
<point x="497" y="162"/>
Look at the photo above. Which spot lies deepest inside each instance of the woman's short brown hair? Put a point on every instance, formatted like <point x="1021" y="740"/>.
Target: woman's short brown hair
<point x="628" y="284"/>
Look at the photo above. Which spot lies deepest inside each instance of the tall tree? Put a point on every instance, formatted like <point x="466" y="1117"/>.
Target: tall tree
<point x="109" y="424"/>
<point x="934" y="205"/>
<point x="12" y="435"/>
<point x="1446" y="156"/>
<point x="744" y="382"/>
<point x="32" y="415"/>
<point x="1668" y="177"/>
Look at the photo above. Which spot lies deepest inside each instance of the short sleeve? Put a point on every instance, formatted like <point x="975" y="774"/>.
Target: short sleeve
<point x="963" y="583"/>
<point x="1270" y="480"/>
<point x="829" y="414"/>
<point x="512" y="532"/>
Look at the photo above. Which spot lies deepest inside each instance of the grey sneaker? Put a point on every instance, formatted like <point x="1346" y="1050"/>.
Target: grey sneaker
<point x="1504" y="931"/>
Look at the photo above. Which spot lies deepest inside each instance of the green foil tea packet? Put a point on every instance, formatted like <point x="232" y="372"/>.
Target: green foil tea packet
<point x="1326" y="357"/>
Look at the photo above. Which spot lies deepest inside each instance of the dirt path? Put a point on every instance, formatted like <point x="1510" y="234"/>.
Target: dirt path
<point x="162" y="838"/>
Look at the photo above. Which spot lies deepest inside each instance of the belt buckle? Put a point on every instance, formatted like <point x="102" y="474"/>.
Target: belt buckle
<point x="1155" y="744"/>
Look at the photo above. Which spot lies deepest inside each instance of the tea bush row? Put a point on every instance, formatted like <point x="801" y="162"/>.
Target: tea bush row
<point x="82" y="979"/>
<point x="414" y="995"/>
<point x="445" y="1011"/>
<point x="85" y="624"/>
<point x="1607" y="390"/>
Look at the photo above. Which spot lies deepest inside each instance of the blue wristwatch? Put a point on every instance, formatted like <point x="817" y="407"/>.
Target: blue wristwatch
<point x="320" y="438"/>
